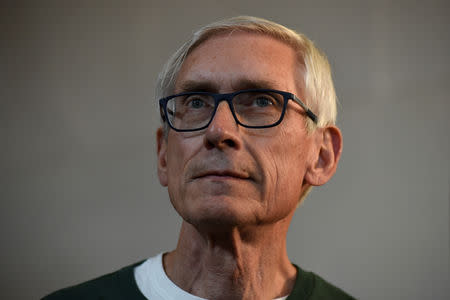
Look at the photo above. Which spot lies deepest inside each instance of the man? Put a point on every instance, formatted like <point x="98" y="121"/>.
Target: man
<point x="248" y="109"/>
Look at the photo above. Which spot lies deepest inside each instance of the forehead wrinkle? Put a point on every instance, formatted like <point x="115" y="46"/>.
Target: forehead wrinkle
<point x="207" y="77"/>
<point x="236" y="85"/>
<point x="247" y="83"/>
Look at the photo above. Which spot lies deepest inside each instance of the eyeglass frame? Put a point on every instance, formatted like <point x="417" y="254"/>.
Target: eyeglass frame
<point x="228" y="97"/>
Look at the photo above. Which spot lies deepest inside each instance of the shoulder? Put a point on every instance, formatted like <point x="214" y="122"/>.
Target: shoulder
<point x="311" y="286"/>
<point x="116" y="285"/>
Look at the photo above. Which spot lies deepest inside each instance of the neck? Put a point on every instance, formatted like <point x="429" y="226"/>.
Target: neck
<point x="237" y="263"/>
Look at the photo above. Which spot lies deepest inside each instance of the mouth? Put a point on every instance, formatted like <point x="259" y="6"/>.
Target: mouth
<point x="221" y="175"/>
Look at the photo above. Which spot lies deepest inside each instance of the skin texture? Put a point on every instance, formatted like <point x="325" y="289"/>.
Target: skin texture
<point x="237" y="188"/>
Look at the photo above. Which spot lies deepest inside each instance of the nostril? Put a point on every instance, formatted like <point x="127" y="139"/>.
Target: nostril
<point x="220" y="143"/>
<point x="209" y="144"/>
<point x="230" y="143"/>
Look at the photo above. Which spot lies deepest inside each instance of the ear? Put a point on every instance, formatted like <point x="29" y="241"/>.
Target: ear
<point x="161" y="143"/>
<point x="326" y="157"/>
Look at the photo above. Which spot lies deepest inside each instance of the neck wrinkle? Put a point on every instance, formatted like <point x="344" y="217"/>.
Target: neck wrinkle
<point x="241" y="263"/>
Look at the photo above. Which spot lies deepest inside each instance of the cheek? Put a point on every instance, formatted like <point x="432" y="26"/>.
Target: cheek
<point x="181" y="148"/>
<point x="173" y="181"/>
<point x="285" y="168"/>
<point x="291" y="150"/>
<point x="181" y="152"/>
<point x="177" y="158"/>
<point x="174" y="165"/>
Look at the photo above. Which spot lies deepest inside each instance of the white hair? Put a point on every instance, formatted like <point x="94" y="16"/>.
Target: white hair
<point x="320" y="95"/>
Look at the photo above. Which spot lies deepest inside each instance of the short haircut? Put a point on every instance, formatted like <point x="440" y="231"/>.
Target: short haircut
<point x="320" y="95"/>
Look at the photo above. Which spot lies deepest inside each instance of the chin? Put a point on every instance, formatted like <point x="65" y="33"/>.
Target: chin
<point x="218" y="213"/>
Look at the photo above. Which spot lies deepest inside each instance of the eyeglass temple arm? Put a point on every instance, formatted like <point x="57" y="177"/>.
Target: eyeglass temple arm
<point x="308" y="112"/>
<point x="163" y="115"/>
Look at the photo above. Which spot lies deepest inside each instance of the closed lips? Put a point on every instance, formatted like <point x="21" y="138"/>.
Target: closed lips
<point x="225" y="173"/>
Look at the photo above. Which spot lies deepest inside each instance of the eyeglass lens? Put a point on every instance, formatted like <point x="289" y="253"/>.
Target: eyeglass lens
<point x="193" y="111"/>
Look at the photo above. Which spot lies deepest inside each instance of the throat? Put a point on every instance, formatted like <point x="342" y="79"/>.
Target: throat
<point x="228" y="267"/>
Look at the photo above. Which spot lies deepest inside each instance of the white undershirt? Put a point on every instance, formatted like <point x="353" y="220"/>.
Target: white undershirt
<point x="154" y="284"/>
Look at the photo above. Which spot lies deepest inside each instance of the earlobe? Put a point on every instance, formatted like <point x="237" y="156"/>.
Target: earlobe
<point x="161" y="143"/>
<point x="326" y="158"/>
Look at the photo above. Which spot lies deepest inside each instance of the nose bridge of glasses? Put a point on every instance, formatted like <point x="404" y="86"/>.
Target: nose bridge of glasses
<point x="221" y="102"/>
<point x="219" y="98"/>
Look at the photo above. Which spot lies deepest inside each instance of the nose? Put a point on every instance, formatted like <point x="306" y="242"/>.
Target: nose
<point x="223" y="131"/>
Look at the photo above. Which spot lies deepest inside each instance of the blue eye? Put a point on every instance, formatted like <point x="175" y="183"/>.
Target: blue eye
<point x="262" y="102"/>
<point x="196" y="103"/>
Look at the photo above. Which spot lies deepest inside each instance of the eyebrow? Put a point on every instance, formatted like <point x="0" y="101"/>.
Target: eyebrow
<point x="212" y="87"/>
<point x="196" y="86"/>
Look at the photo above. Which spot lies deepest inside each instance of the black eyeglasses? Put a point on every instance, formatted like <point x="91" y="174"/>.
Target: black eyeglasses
<point x="254" y="108"/>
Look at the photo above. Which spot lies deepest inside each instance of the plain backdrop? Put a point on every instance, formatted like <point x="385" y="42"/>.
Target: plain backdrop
<point x="78" y="186"/>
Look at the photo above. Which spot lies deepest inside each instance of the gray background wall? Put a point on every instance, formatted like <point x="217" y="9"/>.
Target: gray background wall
<point x="78" y="186"/>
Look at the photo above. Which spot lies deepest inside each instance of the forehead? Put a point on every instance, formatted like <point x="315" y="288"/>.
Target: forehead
<point x="239" y="60"/>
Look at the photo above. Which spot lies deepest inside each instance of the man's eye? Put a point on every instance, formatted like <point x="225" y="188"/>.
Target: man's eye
<point x="263" y="102"/>
<point x="195" y="103"/>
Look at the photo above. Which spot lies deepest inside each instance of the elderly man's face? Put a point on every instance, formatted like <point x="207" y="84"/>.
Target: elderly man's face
<point x="228" y="175"/>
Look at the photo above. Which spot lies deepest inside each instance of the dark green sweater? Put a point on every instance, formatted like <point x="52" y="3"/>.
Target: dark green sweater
<point x="120" y="285"/>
